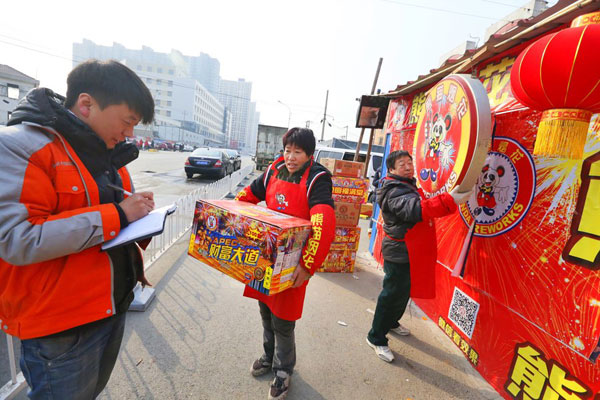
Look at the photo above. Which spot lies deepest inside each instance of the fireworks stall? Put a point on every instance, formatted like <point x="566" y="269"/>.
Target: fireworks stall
<point x="518" y="267"/>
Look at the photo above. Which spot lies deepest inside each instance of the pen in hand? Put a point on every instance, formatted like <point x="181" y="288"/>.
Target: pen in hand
<point x="120" y="189"/>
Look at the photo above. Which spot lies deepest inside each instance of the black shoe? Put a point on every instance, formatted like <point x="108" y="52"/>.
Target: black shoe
<point x="260" y="367"/>
<point x="279" y="386"/>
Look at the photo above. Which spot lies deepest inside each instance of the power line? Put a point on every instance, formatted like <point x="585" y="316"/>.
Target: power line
<point x="441" y="10"/>
<point x="504" y="4"/>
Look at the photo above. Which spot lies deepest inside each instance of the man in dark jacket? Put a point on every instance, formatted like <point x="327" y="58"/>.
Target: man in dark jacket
<point x="403" y="208"/>
<point x="62" y="159"/>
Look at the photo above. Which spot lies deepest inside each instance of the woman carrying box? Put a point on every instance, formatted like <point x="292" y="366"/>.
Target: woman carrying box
<point x="294" y="184"/>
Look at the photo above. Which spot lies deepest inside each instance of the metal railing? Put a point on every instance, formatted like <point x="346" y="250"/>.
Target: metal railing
<point x="176" y="225"/>
<point x="180" y="221"/>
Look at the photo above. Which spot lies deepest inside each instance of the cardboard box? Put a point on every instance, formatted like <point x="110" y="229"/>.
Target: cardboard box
<point x="346" y="238"/>
<point x="350" y="169"/>
<point x="339" y="261"/>
<point x="346" y="214"/>
<point x="366" y="209"/>
<point x="350" y="190"/>
<point x="254" y="245"/>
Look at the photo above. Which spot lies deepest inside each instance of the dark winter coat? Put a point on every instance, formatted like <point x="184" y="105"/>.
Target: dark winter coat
<point x="400" y="205"/>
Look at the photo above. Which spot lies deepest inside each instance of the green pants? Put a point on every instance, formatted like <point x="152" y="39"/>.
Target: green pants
<point x="392" y="301"/>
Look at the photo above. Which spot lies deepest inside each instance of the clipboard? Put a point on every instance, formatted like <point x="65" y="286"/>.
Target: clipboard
<point x="151" y="225"/>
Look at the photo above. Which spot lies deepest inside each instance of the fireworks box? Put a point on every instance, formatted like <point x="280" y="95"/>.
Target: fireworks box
<point x="346" y="238"/>
<point x="346" y="214"/>
<point x="366" y="209"/>
<point x="350" y="169"/>
<point x="339" y="261"/>
<point x="254" y="245"/>
<point x="350" y="190"/>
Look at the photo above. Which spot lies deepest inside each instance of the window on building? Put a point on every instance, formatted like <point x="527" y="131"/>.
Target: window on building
<point x="149" y="68"/>
<point x="170" y="83"/>
<point x="149" y="80"/>
<point x="13" y="91"/>
<point x="139" y="67"/>
<point x="171" y="72"/>
<point x="169" y="94"/>
<point x="169" y="103"/>
<point x="159" y="70"/>
<point x="168" y="113"/>
<point x="159" y="81"/>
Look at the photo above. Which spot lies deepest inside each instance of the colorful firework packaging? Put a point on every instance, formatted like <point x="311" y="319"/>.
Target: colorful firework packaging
<point x="342" y="253"/>
<point x="525" y="308"/>
<point x="254" y="245"/>
<point x="350" y="190"/>
<point x="346" y="238"/>
<point x="339" y="261"/>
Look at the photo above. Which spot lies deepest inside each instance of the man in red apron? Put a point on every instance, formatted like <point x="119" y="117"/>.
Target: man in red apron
<point x="295" y="185"/>
<point x="409" y="239"/>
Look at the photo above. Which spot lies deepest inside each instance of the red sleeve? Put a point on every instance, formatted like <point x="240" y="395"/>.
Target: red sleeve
<point x="246" y="195"/>
<point x="322" y="217"/>
<point x="437" y="206"/>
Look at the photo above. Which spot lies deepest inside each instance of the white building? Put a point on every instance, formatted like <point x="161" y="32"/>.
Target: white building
<point x="14" y="85"/>
<point x="186" y="109"/>
<point x="235" y="95"/>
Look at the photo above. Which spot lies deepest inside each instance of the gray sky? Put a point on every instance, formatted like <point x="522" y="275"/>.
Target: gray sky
<point x="290" y="50"/>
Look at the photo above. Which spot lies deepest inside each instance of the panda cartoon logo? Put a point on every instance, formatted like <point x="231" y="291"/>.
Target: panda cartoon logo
<point x="436" y="149"/>
<point x="490" y="190"/>
<point x="282" y="203"/>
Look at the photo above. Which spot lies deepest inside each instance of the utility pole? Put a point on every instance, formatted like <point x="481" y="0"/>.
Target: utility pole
<point x="324" y="116"/>
<point x="362" y="131"/>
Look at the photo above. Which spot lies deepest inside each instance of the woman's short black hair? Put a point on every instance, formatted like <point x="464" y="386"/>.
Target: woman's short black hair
<point x="301" y="137"/>
<point x="110" y="83"/>
<point x="390" y="161"/>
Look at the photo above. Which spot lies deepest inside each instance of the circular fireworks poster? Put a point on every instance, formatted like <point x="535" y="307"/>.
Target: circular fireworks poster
<point x="453" y="135"/>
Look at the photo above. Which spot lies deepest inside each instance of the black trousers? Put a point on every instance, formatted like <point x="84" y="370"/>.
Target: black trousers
<point x="392" y="301"/>
<point x="279" y="342"/>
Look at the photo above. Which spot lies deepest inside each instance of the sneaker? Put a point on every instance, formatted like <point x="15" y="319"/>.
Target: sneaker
<point x="401" y="330"/>
<point x="260" y="367"/>
<point x="280" y="386"/>
<point x="382" y="352"/>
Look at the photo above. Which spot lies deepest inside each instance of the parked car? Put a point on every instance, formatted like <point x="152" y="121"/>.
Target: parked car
<point x="235" y="158"/>
<point x="207" y="161"/>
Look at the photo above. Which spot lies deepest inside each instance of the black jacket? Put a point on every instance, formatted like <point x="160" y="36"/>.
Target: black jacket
<point x="400" y="205"/>
<point x="42" y="106"/>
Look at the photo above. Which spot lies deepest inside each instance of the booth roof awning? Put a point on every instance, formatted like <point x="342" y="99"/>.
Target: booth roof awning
<point x="512" y="34"/>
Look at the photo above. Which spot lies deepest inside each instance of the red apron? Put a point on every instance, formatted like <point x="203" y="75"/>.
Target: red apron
<point x="421" y="243"/>
<point x="291" y="199"/>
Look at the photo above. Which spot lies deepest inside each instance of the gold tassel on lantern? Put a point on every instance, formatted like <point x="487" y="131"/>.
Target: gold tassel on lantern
<point x="562" y="133"/>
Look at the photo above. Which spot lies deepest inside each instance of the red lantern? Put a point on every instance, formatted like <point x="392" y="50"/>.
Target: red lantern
<point x="560" y="74"/>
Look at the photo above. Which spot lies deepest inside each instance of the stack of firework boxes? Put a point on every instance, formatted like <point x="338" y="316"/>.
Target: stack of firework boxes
<point x="350" y="191"/>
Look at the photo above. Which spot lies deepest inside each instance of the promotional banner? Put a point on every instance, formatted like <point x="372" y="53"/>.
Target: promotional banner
<point x="525" y="308"/>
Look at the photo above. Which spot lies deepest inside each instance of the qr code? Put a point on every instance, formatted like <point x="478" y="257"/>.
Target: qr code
<point x="463" y="312"/>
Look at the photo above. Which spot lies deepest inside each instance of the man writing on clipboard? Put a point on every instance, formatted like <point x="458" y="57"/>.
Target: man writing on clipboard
<point x="63" y="297"/>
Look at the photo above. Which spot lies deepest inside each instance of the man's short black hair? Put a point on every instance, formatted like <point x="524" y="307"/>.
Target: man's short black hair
<point x="300" y="137"/>
<point x="110" y="83"/>
<point x="390" y="161"/>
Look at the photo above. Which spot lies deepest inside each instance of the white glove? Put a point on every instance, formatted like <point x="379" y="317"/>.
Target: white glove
<point x="461" y="197"/>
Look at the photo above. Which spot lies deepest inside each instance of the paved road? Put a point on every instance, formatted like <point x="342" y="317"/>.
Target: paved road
<point x="160" y="172"/>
